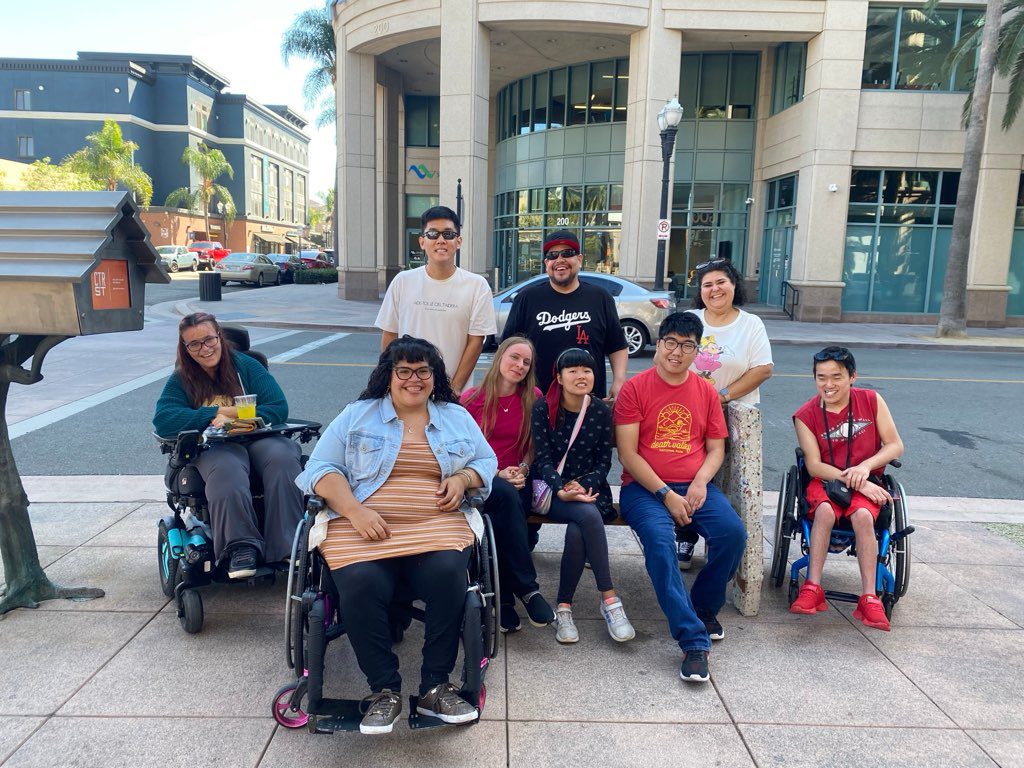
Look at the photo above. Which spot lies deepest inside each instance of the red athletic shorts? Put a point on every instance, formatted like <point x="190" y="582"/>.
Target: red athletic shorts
<point x="816" y="495"/>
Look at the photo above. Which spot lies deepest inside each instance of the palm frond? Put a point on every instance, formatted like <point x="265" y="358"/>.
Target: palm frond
<point x="328" y="114"/>
<point x="223" y="195"/>
<point x="1016" y="95"/>
<point x="183" y="197"/>
<point x="316" y="81"/>
<point x="310" y="36"/>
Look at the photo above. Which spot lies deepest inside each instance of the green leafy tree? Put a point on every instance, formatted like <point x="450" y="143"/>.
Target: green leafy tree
<point x="209" y="165"/>
<point x="311" y="36"/>
<point x="43" y="176"/>
<point x="108" y="158"/>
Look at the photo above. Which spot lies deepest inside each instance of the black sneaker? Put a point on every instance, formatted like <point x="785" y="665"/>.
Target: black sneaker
<point x="380" y="710"/>
<point x="444" y="702"/>
<point x="714" y="627"/>
<point x="243" y="562"/>
<point x="684" y="552"/>
<point x="695" y="667"/>
<point x="538" y="610"/>
<point x="509" y="621"/>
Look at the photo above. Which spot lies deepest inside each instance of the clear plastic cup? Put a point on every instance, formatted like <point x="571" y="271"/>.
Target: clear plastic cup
<point x="246" y="405"/>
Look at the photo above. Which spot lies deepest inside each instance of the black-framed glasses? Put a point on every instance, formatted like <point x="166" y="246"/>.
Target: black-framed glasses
<point x="407" y="373"/>
<point x="209" y="342"/>
<point x="569" y="253"/>
<point x="839" y="354"/>
<point x="447" y="234"/>
<point x="688" y="347"/>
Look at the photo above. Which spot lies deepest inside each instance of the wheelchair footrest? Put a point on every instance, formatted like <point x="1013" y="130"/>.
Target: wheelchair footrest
<point x="846" y="597"/>
<point x="334" y="715"/>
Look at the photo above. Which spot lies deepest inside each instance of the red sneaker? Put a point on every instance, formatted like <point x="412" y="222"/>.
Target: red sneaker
<point x="810" y="600"/>
<point x="871" y="613"/>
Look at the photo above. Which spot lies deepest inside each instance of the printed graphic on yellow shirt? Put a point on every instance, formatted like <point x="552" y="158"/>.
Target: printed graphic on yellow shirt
<point x="672" y="432"/>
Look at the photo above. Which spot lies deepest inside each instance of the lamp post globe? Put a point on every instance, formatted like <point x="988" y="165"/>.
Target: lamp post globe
<point x="668" y="123"/>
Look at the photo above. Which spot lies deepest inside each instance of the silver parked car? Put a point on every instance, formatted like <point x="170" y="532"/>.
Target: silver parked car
<point x="177" y="257"/>
<point x="255" y="268"/>
<point x="640" y="310"/>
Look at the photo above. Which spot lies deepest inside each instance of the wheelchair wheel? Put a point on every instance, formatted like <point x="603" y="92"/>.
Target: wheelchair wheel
<point x="166" y="563"/>
<point x="287" y="707"/>
<point x="294" y="610"/>
<point x="489" y="582"/>
<point x="192" y="606"/>
<point x="785" y="517"/>
<point x="901" y="555"/>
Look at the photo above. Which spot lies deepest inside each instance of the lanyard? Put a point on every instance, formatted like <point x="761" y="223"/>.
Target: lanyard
<point x="849" y="435"/>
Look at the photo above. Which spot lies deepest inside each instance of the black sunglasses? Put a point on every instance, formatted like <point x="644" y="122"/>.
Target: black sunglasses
<point x="569" y="253"/>
<point x="447" y="234"/>
<point x="839" y="355"/>
<point x="712" y="263"/>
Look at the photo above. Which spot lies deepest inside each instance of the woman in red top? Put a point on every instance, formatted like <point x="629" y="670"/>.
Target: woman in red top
<point x="849" y="428"/>
<point x="501" y="406"/>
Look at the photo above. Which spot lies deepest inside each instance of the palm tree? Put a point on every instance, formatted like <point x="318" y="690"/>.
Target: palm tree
<point x="108" y="159"/>
<point x="208" y="164"/>
<point x="311" y="36"/>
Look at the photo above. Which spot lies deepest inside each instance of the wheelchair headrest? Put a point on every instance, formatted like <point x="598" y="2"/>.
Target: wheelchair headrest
<point x="237" y="335"/>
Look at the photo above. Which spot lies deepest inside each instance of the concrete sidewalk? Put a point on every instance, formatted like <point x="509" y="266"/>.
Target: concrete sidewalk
<point x="116" y="682"/>
<point x="317" y="307"/>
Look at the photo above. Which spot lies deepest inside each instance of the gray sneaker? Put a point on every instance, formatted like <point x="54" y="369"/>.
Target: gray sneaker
<point x="565" y="627"/>
<point x="618" y="625"/>
<point x="381" y="710"/>
<point x="443" y="702"/>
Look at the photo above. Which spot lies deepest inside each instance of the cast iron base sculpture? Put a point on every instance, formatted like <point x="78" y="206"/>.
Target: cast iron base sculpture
<point x="27" y="584"/>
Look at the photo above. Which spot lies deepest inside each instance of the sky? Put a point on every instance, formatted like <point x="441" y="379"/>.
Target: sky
<point x="239" y="40"/>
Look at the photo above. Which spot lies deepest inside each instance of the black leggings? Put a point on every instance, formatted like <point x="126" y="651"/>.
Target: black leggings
<point x="584" y="539"/>
<point x="365" y="593"/>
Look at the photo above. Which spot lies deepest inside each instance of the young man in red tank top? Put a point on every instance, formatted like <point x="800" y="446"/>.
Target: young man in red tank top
<point x="844" y="426"/>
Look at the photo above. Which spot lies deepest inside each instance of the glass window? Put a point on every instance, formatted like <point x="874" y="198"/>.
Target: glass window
<point x="422" y="121"/>
<point x="689" y="76"/>
<point x="909" y="187"/>
<point x="23" y="99"/>
<point x="925" y="42"/>
<point x="433" y="121"/>
<point x="554" y="199"/>
<point x="742" y="85"/>
<point x="536" y="200"/>
<point x="788" y="78"/>
<point x="963" y="76"/>
<point x="26" y="146"/>
<point x="513" y="110"/>
<point x="602" y="88"/>
<point x="573" y="198"/>
<point x="878" y="48"/>
<point x="557" y="104"/>
<point x="540" y="102"/>
<point x="714" y="86"/>
<point x="621" y="89"/>
<point x="525" y="102"/>
<point x="577" y="95"/>
<point x="864" y="186"/>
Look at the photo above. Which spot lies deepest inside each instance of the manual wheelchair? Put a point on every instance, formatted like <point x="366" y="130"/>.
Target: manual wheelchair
<point x="892" y="530"/>
<point x="312" y="620"/>
<point x="185" y="559"/>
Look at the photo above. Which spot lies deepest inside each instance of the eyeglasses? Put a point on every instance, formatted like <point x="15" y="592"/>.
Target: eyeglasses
<point x="566" y="254"/>
<point x="447" y="234"/>
<point x="840" y="355"/>
<point x="688" y="347"/>
<point x="421" y="373"/>
<point x="209" y="342"/>
<point x="712" y="263"/>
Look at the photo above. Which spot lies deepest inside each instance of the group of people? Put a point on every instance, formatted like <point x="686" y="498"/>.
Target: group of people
<point x="535" y="437"/>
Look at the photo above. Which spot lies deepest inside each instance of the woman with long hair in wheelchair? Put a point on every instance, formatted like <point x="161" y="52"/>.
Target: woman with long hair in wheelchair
<point x="502" y="405"/>
<point x="572" y="439"/>
<point x="849" y="427"/>
<point x="209" y="373"/>
<point x="393" y="469"/>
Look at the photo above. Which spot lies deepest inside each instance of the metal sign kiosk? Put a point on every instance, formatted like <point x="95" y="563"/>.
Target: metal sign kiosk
<point x="71" y="264"/>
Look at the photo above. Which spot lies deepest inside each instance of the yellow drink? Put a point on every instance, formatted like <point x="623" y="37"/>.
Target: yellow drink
<point x="247" y="411"/>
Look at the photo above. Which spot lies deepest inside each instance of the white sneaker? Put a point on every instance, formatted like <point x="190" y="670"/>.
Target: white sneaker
<point x="618" y="625"/>
<point x="565" y="627"/>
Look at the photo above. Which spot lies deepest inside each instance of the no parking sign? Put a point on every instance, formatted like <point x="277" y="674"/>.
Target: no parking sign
<point x="664" y="228"/>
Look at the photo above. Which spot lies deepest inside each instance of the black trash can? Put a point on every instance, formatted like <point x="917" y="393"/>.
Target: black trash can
<point x="209" y="286"/>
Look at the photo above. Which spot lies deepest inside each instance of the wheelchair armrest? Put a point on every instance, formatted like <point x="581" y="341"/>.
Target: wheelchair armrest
<point x="315" y="505"/>
<point x="896" y="463"/>
<point x="475" y="499"/>
<point x="186" y="448"/>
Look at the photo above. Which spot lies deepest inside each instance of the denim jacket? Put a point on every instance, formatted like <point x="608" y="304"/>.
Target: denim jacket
<point x="362" y="444"/>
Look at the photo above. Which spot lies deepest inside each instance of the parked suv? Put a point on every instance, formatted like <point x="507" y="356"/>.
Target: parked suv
<point x="209" y="251"/>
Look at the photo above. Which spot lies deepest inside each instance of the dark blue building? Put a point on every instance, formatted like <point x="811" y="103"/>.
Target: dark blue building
<point x="163" y="104"/>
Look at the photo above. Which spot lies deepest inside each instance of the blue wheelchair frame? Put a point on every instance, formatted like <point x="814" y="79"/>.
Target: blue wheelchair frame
<point x="892" y="530"/>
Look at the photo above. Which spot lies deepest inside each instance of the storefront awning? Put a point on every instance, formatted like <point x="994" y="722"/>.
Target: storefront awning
<point x="268" y="238"/>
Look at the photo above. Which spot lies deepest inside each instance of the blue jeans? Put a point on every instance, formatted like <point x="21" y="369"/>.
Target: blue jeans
<point x="723" y="530"/>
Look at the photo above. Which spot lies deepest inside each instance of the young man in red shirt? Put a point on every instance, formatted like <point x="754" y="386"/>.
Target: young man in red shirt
<point x="853" y="428"/>
<point x="670" y="432"/>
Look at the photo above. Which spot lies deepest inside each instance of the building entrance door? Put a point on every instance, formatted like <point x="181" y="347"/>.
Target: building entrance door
<point x="778" y="250"/>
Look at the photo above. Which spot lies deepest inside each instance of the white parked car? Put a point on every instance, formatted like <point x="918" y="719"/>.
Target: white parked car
<point x="253" y="268"/>
<point x="177" y="257"/>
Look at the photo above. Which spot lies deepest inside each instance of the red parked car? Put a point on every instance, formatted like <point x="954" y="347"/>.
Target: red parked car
<point x="315" y="260"/>
<point x="209" y="251"/>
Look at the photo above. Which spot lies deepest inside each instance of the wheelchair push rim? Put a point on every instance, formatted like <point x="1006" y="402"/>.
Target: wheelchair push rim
<point x="783" y="512"/>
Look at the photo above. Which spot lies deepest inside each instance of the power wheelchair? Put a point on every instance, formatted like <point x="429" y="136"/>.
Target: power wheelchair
<point x="184" y="544"/>
<point x="312" y="620"/>
<point x="892" y="530"/>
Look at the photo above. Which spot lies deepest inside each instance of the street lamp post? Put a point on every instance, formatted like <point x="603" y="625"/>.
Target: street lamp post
<point x="668" y="122"/>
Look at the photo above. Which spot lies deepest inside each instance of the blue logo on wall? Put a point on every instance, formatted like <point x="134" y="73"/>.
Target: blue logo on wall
<point x="422" y="172"/>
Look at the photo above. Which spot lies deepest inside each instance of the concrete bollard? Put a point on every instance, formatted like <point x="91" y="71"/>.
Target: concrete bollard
<point x="741" y="479"/>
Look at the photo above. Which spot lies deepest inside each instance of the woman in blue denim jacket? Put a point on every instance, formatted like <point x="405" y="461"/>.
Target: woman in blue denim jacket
<point x="394" y="468"/>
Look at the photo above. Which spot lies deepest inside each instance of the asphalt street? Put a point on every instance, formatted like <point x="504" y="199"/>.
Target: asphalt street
<point x="185" y="285"/>
<point x="956" y="412"/>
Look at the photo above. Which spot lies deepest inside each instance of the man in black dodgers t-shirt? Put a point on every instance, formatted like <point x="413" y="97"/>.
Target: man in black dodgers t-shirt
<point x="565" y="312"/>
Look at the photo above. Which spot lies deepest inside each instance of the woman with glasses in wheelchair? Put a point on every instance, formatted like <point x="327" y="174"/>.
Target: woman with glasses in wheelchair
<point x="209" y="373"/>
<point x="844" y="426"/>
<point x="393" y="468"/>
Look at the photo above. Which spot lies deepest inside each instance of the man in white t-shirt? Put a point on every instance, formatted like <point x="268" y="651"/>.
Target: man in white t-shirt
<point x="448" y="306"/>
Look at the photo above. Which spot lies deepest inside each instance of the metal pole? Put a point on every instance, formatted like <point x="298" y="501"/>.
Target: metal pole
<point x="458" y="212"/>
<point x="668" y="141"/>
